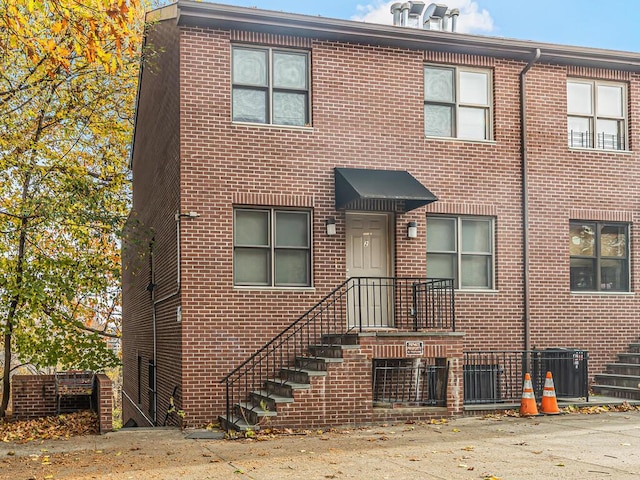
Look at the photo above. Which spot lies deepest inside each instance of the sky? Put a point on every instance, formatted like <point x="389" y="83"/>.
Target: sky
<point x="612" y="24"/>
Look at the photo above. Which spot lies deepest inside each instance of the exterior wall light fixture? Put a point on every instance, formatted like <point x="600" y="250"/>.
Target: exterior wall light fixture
<point x="412" y="230"/>
<point x="331" y="226"/>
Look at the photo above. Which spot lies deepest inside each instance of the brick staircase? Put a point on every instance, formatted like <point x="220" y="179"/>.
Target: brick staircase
<point x="293" y="382"/>
<point x="622" y="378"/>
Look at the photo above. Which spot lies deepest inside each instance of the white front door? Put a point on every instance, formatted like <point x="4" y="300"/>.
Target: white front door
<point x="368" y="257"/>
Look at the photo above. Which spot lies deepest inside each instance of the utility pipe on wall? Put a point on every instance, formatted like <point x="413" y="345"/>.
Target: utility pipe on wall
<point x="178" y="216"/>
<point x="525" y="202"/>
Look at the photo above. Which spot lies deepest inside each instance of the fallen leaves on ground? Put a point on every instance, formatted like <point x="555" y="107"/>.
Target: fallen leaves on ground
<point x="583" y="410"/>
<point x="623" y="407"/>
<point x="267" y="433"/>
<point x="49" y="428"/>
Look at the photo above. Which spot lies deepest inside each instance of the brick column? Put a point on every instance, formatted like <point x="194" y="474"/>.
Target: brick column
<point x="103" y="394"/>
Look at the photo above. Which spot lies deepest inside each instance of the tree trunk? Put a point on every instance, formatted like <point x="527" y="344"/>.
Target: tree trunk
<point x="6" y="386"/>
<point x="13" y="307"/>
<point x="22" y="242"/>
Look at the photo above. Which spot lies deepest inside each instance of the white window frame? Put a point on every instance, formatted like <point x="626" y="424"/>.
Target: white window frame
<point x="273" y="248"/>
<point x="456" y="104"/>
<point x="270" y="89"/>
<point x="592" y="139"/>
<point x="459" y="254"/>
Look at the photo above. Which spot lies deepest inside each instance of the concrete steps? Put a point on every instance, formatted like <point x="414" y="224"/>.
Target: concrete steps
<point x="622" y="378"/>
<point x="270" y="399"/>
<point x="629" y="357"/>
<point x="624" y="369"/>
<point x="262" y="405"/>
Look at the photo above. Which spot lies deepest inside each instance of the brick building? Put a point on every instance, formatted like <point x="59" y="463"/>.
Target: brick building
<point x="277" y="155"/>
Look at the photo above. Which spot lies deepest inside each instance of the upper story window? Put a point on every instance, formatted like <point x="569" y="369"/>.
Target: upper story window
<point x="272" y="247"/>
<point x="457" y="103"/>
<point x="461" y="248"/>
<point x="270" y="86"/>
<point x="599" y="256"/>
<point x="597" y="116"/>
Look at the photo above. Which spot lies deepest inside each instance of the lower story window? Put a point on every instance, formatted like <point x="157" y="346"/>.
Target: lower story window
<point x="272" y="247"/>
<point x="461" y="248"/>
<point x="599" y="256"/>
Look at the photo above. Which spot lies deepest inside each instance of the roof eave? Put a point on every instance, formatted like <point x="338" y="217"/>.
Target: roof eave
<point x="192" y="13"/>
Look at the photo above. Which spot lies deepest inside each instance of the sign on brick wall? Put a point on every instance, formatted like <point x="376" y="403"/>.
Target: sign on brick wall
<point x="414" y="348"/>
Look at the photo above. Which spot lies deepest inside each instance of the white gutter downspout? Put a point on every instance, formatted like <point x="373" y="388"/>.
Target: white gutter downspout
<point x="525" y="202"/>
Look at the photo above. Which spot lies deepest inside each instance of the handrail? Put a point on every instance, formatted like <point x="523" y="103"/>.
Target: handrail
<point x="355" y="304"/>
<point x="434" y="304"/>
<point x="285" y="331"/>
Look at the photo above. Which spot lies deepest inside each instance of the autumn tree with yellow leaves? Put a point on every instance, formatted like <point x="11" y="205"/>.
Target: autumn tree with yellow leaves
<point x="68" y="76"/>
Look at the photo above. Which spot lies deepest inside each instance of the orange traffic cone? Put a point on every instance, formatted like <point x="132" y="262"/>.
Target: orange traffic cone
<point x="528" y="405"/>
<point x="549" y="404"/>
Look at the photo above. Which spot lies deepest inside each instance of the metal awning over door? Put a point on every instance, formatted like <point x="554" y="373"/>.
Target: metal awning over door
<point x="379" y="190"/>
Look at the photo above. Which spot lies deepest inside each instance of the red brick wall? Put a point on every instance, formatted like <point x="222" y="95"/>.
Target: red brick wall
<point x="578" y="185"/>
<point x="345" y="394"/>
<point x="103" y="402"/>
<point x="357" y="122"/>
<point x="34" y="396"/>
<point x="155" y="203"/>
<point x="368" y="112"/>
<point x="445" y="346"/>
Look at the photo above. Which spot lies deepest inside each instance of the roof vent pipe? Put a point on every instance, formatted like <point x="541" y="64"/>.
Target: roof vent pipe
<point x="434" y="16"/>
<point x="415" y="13"/>
<point x="405" y="14"/>
<point x="454" y="19"/>
<point x="396" y="11"/>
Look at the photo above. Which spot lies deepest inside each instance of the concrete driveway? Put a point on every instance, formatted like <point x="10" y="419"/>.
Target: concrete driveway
<point x="603" y="446"/>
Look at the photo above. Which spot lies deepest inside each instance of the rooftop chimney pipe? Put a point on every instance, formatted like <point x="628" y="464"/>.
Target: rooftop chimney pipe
<point x="454" y="19"/>
<point x="434" y="16"/>
<point x="415" y="13"/>
<point x="396" y="11"/>
<point x="405" y="14"/>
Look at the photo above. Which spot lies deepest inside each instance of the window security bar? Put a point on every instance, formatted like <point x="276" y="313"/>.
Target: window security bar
<point x="604" y="141"/>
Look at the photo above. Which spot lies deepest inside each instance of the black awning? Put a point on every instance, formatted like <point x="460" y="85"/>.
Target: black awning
<point x="364" y="189"/>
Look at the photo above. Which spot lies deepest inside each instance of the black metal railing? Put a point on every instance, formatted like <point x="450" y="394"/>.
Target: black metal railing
<point x="497" y="376"/>
<point x="357" y="304"/>
<point x="380" y="302"/>
<point x="605" y="141"/>
<point x="409" y="382"/>
<point x="434" y="305"/>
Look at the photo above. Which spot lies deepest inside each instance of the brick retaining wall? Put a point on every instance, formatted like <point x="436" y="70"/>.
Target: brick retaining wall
<point x="34" y="396"/>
